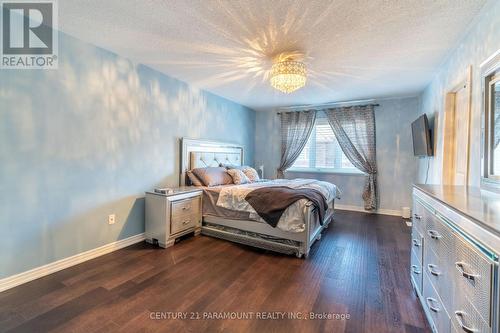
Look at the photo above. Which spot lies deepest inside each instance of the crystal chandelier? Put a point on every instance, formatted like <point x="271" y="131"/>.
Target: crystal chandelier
<point x="288" y="76"/>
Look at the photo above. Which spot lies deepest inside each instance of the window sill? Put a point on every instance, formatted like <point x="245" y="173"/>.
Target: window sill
<point x="328" y="171"/>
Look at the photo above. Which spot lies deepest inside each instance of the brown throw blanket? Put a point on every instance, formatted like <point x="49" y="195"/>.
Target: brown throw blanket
<point x="271" y="202"/>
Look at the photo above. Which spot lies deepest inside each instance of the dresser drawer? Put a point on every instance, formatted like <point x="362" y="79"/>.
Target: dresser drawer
<point x="472" y="278"/>
<point x="466" y="318"/>
<point x="435" y="307"/>
<point x="185" y="207"/>
<point x="419" y="214"/>
<point x="416" y="271"/>
<point x="417" y="243"/>
<point x="439" y="275"/>
<point x="441" y="239"/>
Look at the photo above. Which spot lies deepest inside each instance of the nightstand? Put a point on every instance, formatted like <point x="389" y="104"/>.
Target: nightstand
<point x="169" y="216"/>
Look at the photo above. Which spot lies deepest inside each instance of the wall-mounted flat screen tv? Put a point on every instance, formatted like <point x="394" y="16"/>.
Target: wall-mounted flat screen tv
<point x="422" y="144"/>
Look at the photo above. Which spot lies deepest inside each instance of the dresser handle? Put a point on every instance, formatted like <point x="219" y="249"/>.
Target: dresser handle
<point x="434" y="234"/>
<point x="185" y="222"/>
<point x="461" y="268"/>
<point x="416" y="243"/>
<point x="432" y="270"/>
<point x="459" y="315"/>
<point x="418" y="217"/>
<point x="186" y="207"/>
<point x="415" y="270"/>
<point x="431" y="300"/>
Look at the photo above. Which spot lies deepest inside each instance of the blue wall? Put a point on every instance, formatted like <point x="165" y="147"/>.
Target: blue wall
<point x="85" y="141"/>
<point x="481" y="41"/>
<point x="396" y="164"/>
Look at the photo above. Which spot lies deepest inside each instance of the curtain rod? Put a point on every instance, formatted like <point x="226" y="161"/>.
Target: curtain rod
<point x="305" y="106"/>
<point x="317" y="108"/>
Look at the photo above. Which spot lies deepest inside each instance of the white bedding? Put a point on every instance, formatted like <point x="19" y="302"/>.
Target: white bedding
<point x="293" y="219"/>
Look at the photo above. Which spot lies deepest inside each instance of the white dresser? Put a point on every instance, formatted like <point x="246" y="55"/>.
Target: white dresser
<point x="454" y="259"/>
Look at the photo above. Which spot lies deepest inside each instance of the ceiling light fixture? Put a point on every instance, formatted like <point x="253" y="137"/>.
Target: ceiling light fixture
<point x="288" y="76"/>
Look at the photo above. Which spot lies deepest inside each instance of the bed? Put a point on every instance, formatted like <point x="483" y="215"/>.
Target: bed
<point x="297" y="229"/>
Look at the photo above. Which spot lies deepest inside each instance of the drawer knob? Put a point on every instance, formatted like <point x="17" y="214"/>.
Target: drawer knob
<point x="186" y="207"/>
<point x="185" y="222"/>
<point x="418" y="217"/>
<point x="434" y="234"/>
<point x="432" y="269"/>
<point x="459" y="315"/>
<point x="416" y="243"/>
<point x="415" y="269"/>
<point x="430" y="303"/>
<point x="461" y="268"/>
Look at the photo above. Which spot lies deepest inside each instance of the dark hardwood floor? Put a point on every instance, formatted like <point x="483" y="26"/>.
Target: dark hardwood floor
<point x="360" y="267"/>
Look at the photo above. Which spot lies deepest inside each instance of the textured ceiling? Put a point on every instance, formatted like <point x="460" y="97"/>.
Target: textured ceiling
<point x="352" y="49"/>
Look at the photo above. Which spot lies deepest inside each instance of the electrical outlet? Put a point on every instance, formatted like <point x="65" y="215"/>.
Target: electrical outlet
<point x="111" y="219"/>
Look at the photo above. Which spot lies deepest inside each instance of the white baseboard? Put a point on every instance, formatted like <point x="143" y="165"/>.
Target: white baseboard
<point x="382" y="211"/>
<point x="35" y="273"/>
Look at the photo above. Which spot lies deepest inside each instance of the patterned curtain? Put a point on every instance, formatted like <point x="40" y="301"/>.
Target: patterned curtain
<point x="296" y="128"/>
<point x="354" y="128"/>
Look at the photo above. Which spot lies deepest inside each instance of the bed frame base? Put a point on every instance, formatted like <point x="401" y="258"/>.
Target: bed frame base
<point x="249" y="240"/>
<point x="282" y="242"/>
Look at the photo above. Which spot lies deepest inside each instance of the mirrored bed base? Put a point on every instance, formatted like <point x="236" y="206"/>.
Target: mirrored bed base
<point x="263" y="236"/>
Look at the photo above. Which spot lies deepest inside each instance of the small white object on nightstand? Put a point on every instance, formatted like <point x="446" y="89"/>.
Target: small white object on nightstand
<point x="173" y="214"/>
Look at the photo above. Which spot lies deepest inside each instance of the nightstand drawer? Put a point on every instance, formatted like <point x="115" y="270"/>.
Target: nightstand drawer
<point x="182" y="222"/>
<point x="185" y="207"/>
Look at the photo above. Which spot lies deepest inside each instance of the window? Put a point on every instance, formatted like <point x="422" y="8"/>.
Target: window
<point x="322" y="152"/>
<point x="490" y="85"/>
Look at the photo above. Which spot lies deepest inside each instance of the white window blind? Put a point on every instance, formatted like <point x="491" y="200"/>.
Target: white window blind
<point x="322" y="151"/>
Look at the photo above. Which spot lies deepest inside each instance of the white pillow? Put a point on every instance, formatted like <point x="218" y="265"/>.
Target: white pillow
<point x="238" y="176"/>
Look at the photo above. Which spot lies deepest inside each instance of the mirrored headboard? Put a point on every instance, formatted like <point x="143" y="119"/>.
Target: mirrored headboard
<point x="197" y="153"/>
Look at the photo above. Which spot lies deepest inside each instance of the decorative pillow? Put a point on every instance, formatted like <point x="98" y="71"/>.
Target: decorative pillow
<point x="251" y="174"/>
<point x="238" y="176"/>
<point x="213" y="176"/>
<point x="194" y="180"/>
